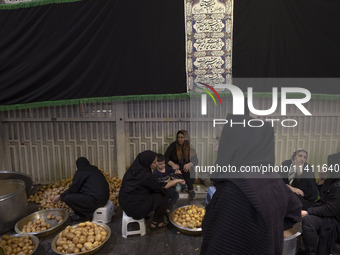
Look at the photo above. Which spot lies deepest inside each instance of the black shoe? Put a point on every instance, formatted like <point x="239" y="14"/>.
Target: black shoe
<point x="75" y="217"/>
<point x="192" y="194"/>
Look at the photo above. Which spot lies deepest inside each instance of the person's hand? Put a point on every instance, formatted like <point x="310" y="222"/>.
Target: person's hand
<point x="187" y="167"/>
<point x="175" y="166"/>
<point x="178" y="172"/>
<point x="181" y="181"/>
<point x="56" y="199"/>
<point x="297" y="191"/>
<point x="304" y="213"/>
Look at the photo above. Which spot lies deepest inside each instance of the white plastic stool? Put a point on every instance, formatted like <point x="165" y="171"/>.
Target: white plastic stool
<point x="126" y="220"/>
<point x="104" y="214"/>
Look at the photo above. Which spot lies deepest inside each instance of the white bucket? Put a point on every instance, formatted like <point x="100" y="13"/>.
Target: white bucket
<point x="289" y="244"/>
<point x="290" y="239"/>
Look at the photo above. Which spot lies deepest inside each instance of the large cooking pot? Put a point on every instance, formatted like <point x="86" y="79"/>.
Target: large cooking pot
<point x="13" y="203"/>
<point x="4" y="175"/>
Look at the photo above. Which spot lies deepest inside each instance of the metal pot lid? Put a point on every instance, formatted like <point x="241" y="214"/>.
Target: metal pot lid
<point x="4" y="175"/>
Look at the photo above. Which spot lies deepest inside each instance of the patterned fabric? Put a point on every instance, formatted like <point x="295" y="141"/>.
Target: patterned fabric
<point x="291" y="174"/>
<point x="209" y="41"/>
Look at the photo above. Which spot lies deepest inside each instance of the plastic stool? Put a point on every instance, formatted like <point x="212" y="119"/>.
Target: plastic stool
<point x="104" y="214"/>
<point x="126" y="220"/>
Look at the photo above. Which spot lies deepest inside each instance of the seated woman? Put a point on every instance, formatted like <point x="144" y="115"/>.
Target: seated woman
<point x="321" y="222"/>
<point x="181" y="157"/>
<point x="141" y="193"/>
<point x="300" y="178"/>
<point x="89" y="191"/>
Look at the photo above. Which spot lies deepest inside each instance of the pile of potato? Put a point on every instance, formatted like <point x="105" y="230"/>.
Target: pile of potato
<point x="17" y="245"/>
<point x="46" y="194"/>
<point x="114" y="184"/>
<point x="37" y="225"/>
<point x="58" y="218"/>
<point x="83" y="237"/>
<point x="189" y="216"/>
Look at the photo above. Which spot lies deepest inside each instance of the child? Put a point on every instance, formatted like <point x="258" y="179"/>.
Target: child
<point x="163" y="173"/>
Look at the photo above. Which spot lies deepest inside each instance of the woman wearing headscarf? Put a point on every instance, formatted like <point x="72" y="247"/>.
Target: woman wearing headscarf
<point x="321" y="222"/>
<point x="249" y="211"/>
<point x="180" y="156"/>
<point x="300" y="178"/>
<point x="141" y="193"/>
<point x="89" y="191"/>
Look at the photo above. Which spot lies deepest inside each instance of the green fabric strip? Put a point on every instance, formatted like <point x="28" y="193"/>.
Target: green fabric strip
<point x="142" y="97"/>
<point x="94" y="100"/>
<point x="33" y="4"/>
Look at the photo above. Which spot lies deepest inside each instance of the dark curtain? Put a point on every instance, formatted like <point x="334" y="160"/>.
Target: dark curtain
<point x="286" y="38"/>
<point x="91" y="48"/>
<point x="103" y="48"/>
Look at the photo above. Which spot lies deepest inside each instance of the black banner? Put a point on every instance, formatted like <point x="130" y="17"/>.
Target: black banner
<point x="91" y="48"/>
<point x="106" y="48"/>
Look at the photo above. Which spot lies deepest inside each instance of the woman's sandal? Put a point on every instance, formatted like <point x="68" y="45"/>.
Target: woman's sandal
<point x="158" y="225"/>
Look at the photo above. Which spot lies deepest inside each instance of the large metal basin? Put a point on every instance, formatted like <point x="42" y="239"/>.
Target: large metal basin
<point x="13" y="203"/>
<point x="34" y="239"/>
<point x="189" y="231"/>
<point x="107" y="229"/>
<point x="5" y="175"/>
<point x="55" y="225"/>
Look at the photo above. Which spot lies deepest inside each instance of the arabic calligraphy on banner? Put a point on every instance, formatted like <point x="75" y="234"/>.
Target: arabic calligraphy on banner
<point x="208" y="41"/>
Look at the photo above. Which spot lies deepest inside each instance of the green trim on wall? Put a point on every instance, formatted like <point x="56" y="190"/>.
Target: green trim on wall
<point x="33" y="3"/>
<point x="143" y="97"/>
<point x="94" y="100"/>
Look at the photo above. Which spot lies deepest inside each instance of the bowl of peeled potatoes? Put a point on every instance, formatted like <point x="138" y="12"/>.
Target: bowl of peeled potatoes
<point x="188" y="219"/>
<point x="83" y="238"/>
<point x="42" y="223"/>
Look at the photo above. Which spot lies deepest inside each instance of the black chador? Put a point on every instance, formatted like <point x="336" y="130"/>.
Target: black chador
<point x="89" y="190"/>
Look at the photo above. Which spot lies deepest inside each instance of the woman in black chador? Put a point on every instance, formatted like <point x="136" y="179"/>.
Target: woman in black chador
<point x="141" y="193"/>
<point x="89" y="191"/>
<point x="321" y="222"/>
<point x="249" y="211"/>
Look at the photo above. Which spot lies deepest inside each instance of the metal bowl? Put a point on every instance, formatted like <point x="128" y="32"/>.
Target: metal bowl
<point x="55" y="226"/>
<point x="33" y="238"/>
<point x="107" y="229"/>
<point x="189" y="231"/>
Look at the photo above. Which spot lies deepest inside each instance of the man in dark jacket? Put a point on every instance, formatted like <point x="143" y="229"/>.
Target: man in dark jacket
<point x="89" y="191"/>
<point x="322" y="221"/>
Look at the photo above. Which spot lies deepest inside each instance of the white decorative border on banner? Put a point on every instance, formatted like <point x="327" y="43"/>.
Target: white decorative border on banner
<point x="209" y="26"/>
<point x="15" y="1"/>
